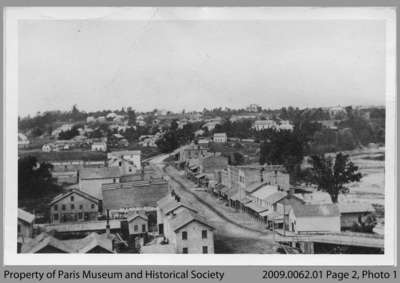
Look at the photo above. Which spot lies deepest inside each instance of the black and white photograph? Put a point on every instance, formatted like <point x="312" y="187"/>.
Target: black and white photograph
<point x="187" y="131"/>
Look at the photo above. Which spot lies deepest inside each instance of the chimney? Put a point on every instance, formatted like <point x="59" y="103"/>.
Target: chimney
<point x="108" y="223"/>
<point x="290" y="192"/>
<point x="262" y="174"/>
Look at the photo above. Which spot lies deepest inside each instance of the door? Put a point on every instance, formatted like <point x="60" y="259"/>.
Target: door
<point x="161" y="229"/>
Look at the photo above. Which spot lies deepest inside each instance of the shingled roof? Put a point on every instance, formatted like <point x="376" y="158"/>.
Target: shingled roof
<point x="315" y="210"/>
<point x="171" y="204"/>
<point x="356" y="207"/>
<point x="134" y="194"/>
<point x="25" y="216"/>
<point x="74" y="191"/>
<point x="69" y="246"/>
<point x="99" y="173"/>
<point x="186" y="217"/>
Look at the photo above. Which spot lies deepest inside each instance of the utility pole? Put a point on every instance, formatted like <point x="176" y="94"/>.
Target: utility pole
<point x="284" y="221"/>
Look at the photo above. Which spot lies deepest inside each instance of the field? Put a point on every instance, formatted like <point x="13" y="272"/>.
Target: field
<point x="64" y="155"/>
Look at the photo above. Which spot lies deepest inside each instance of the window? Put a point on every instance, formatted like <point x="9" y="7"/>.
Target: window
<point x="143" y="227"/>
<point x="135" y="228"/>
<point x="55" y="207"/>
<point x="114" y="180"/>
<point x="120" y="164"/>
<point x="63" y="207"/>
<point x="205" y="250"/>
<point x="19" y="228"/>
<point x="80" y="215"/>
<point x="55" y="217"/>
<point x="72" y="206"/>
<point x="204" y="234"/>
<point x="185" y="250"/>
<point x="81" y="206"/>
<point x="92" y="205"/>
<point x="72" y="198"/>
<point x="184" y="235"/>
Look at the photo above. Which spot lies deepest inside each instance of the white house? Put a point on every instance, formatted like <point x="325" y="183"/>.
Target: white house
<point x="99" y="146"/>
<point x="183" y="228"/>
<point x="303" y="218"/>
<point x="260" y="125"/>
<point x="137" y="223"/>
<point x="285" y="125"/>
<point x="47" y="147"/>
<point x="220" y="138"/>
<point x="23" y="141"/>
<point x="211" y="125"/>
<point x="128" y="161"/>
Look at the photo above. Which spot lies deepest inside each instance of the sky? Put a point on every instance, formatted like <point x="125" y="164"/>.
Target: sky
<point x="191" y="64"/>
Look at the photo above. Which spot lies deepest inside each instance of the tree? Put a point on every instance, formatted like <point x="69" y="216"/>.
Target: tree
<point x="131" y="116"/>
<point x="69" y="134"/>
<point x="34" y="179"/>
<point x="168" y="142"/>
<point x="236" y="158"/>
<point x="283" y="147"/>
<point x="331" y="175"/>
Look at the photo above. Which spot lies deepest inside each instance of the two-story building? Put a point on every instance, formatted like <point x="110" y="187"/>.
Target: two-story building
<point x="73" y="206"/>
<point x="182" y="227"/>
<point x="220" y="138"/>
<point x="128" y="161"/>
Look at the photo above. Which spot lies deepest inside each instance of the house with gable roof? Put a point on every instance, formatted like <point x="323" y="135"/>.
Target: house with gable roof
<point x="73" y="206"/>
<point x="183" y="229"/>
<point x="92" y="243"/>
<point x="189" y="232"/>
<point x="306" y="218"/>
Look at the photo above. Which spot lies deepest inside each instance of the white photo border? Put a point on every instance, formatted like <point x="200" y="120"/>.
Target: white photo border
<point x="13" y="15"/>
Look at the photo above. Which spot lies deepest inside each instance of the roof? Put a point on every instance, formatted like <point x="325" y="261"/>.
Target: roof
<point x="315" y="210"/>
<point x="133" y="194"/>
<point x="275" y="197"/>
<point x="262" y="191"/>
<point x="135" y="215"/>
<point x="219" y="134"/>
<point x="185" y="217"/>
<point x="25" y="216"/>
<point x="264" y="122"/>
<point x="22" y="137"/>
<point x="172" y="204"/>
<point x="232" y="192"/>
<point x="236" y="196"/>
<point x="256" y="207"/>
<point x="125" y="152"/>
<point x="97" y="225"/>
<point x="99" y="173"/>
<point x="356" y="207"/>
<point x="199" y="176"/>
<point x="225" y="190"/>
<point x="74" y="191"/>
<point x="69" y="246"/>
